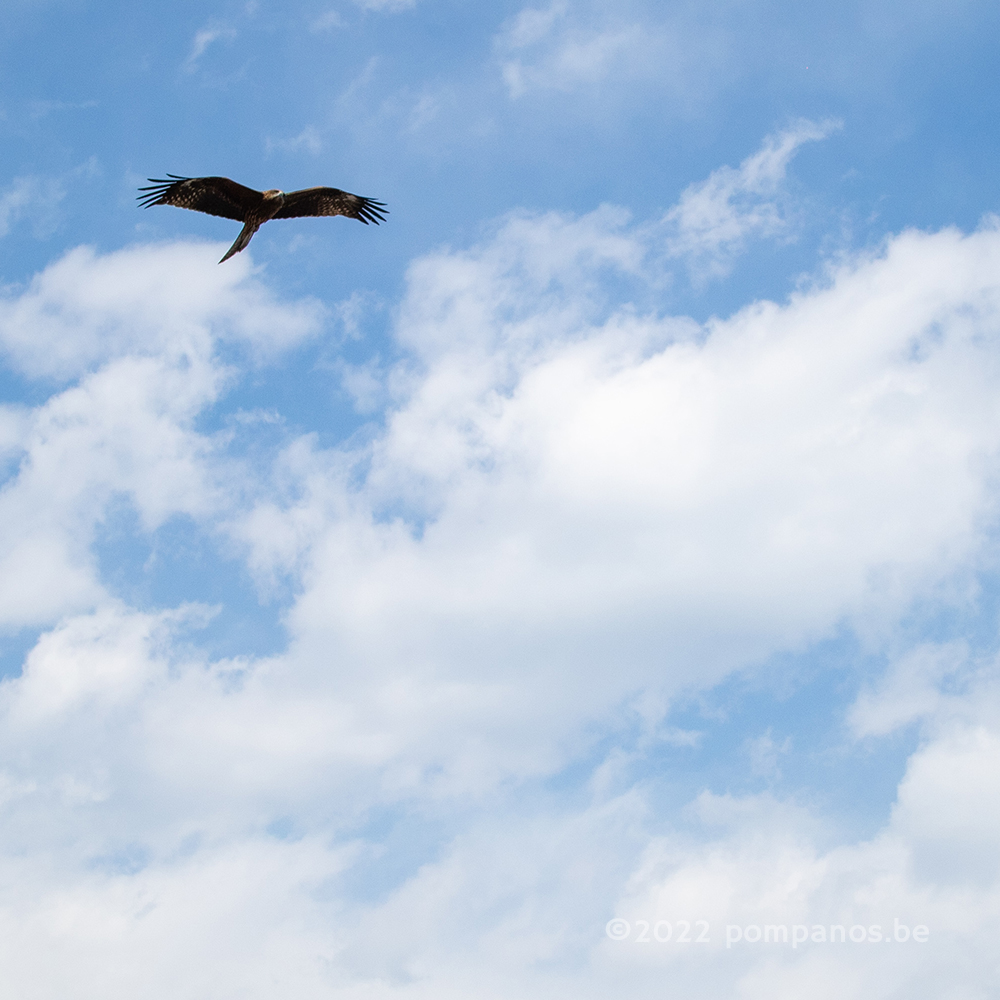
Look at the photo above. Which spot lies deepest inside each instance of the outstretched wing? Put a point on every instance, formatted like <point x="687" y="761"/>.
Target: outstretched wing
<point x="214" y="195"/>
<point x="331" y="201"/>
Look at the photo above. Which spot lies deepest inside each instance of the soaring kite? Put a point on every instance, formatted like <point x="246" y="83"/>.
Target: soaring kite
<point x="221" y="196"/>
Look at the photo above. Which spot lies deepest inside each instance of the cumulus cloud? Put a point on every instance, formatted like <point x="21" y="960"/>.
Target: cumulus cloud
<point x="564" y="488"/>
<point x="135" y="334"/>
<point x="775" y="466"/>
<point x="762" y="869"/>
<point x="127" y="430"/>
<point x="572" y="512"/>
<point x="147" y="301"/>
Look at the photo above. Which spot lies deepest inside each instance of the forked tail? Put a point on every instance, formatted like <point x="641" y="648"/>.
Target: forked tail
<point x="246" y="234"/>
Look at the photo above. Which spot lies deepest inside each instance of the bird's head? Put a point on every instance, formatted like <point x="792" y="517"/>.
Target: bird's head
<point x="273" y="194"/>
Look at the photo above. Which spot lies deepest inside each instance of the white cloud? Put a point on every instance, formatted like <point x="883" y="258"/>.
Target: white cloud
<point x="593" y="481"/>
<point x="331" y="19"/>
<point x="545" y="49"/>
<point x="531" y="25"/>
<point x="714" y="219"/>
<point x="948" y="807"/>
<point x="425" y="110"/>
<point x="309" y="139"/>
<point x="40" y="109"/>
<point x="119" y="933"/>
<point x="766" y="867"/>
<point x="616" y="55"/>
<point x="388" y="6"/>
<point x="765" y="755"/>
<point x="571" y="507"/>
<point x="136" y="331"/>
<point x="611" y="53"/>
<point x="124" y="430"/>
<point x="910" y="691"/>
<point x="36" y="197"/>
<point x="203" y="38"/>
<point x="586" y="486"/>
<point x="145" y="301"/>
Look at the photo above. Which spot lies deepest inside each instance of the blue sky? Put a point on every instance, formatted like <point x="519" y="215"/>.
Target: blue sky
<point x="611" y="535"/>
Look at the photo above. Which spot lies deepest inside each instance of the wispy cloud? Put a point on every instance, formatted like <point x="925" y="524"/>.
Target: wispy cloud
<point x="41" y="109"/>
<point x="913" y="689"/>
<point x="714" y="219"/>
<point x="309" y="140"/>
<point x="765" y="754"/>
<point x="386" y="6"/>
<point x="203" y="38"/>
<point x="34" y="198"/>
<point x="328" y="21"/>
<point x="542" y="49"/>
<point x="532" y="24"/>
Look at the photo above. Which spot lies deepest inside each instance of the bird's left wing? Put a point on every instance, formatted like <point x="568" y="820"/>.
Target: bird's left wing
<point x="331" y="201"/>
<point x="213" y="195"/>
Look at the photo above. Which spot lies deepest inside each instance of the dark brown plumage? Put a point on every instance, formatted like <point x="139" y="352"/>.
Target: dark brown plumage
<point x="221" y="196"/>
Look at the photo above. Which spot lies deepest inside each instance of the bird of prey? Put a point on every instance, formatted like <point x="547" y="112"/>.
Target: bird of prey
<point x="221" y="196"/>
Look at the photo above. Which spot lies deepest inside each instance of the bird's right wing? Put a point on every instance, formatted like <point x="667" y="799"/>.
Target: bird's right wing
<point x="331" y="201"/>
<point x="213" y="195"/>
